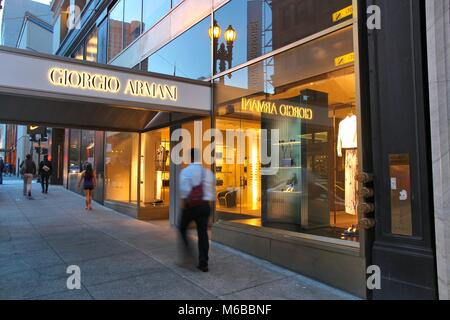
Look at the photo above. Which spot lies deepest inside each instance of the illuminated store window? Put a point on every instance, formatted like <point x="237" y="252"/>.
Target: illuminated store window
<point x="87" y="147"/>
<point x="74" y="158"/>
<point x="115" y="31"/>
<point x="121" y="166"/>
<point x="132" y="21"/>
<point x="260" y="28"/>
<point x="174" y="60"/>
<point x="155" y="168"/>
<point x="239" y="182"/>
<point x="92" y="46"/>
<point x="307" y="96"/>
<point x="153" y="11"/>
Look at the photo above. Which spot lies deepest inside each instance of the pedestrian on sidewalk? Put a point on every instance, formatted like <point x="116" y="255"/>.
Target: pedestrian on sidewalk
<point x="45" y="171"/>
<point x="197" y="191"/>
<point x="89" y="182"/>
<point x="28" y="171"/>
<point x="2" y="168"/>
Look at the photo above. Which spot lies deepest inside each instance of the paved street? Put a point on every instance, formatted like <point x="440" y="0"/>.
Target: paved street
<point x="121" y="258"/>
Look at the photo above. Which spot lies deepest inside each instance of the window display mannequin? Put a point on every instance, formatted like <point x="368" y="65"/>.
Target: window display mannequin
<point x="161" y="158"/>
<point x="347" y="142"/>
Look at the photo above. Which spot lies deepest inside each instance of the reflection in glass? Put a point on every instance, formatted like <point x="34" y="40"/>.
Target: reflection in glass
<point x="74" y="158"/>
<point x="102" y="43"/>
<point x="79" y="53"/>
<point x="92" y="46"/>
<point x="312" y="101"/>
<point x="174" y="60"/>
<point x="87" y="147"/>
<point x="115" y="39"/>
<point x="263" y="26"/>
<point x="121" y="166"/>
<point x="153" y="11"/>
<point x="74" y="151"/>
<point x="132" y="21"/>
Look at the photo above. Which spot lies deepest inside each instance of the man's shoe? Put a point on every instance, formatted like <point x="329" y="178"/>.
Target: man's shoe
<point x="203" y="268"/>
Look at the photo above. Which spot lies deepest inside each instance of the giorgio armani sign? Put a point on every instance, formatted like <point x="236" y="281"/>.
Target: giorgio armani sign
<point x="27" y="73"/>
<point x="111" y="84"/>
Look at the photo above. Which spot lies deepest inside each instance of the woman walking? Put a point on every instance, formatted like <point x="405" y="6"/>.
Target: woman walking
<point x="89" y="183"/>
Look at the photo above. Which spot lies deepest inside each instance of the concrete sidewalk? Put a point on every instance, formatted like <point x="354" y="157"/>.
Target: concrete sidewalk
<point x="122" y="258"/>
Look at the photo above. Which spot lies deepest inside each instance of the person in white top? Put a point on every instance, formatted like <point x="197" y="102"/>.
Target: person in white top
<point x="197" y="186"/>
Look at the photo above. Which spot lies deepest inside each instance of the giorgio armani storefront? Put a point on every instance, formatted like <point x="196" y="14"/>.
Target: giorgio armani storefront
<point x="301" y="209"/>
<point x="332" y="176"/>
<point x="350" y="185"/>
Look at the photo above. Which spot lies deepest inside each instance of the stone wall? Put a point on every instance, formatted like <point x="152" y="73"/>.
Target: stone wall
<point x="438" y="34"/>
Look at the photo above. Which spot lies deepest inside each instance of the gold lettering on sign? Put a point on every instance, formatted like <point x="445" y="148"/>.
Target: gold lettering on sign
<point x="271" y="108"/>
<point x="109" y="84"/>
<point x="146" y="89"/>
<point x="83" y="80"/>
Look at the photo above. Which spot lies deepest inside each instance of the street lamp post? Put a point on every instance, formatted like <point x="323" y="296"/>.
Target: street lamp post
<point x="222" y="54"/>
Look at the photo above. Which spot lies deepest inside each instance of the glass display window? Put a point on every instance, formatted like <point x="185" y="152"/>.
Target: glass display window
<point x="238" y="182"/>
<point x="121" y="167"/>
<point x="308" y="97"/>
<point x="155" y="168"/>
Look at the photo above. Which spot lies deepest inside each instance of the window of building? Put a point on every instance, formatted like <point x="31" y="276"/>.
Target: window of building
<point x="308" y="97"/>
<point x="74" y="158"/>
<point x="153" y="11"/>
<point x="102" y="39"/>
<point x="174" y="60"/>
<point x="132" y="21"/>
<point x="87" y="147"/>
<point x="92" y="46"/>
<point x="155" y="170"/>
<point x="121" y="167"/>
<point x="176" y="2"/>
<point x="79" y="53"/>
<point x="115" y="38"/>
<point x="260" y="28"/>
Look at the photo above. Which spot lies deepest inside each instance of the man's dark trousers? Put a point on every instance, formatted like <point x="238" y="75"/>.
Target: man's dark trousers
<point x="44" y="182"/>
<point x="200" y="215"/>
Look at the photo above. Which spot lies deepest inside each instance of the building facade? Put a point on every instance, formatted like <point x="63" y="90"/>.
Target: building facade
<point x="344" y="100"/>
<point x="26" y="25"/>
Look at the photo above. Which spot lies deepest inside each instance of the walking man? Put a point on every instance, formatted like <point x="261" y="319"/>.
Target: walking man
<point x="197" y="191"/>
<point x="2" y="168"/>
<point x="28" y="171"/>
<point x="45" y="171"/>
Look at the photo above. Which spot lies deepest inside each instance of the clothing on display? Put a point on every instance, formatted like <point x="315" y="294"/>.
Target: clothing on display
<point x="351" y="186"/>
<point x="348" y="134"/>
<point x="347" y="141"/>
<point x="161" y="158"/>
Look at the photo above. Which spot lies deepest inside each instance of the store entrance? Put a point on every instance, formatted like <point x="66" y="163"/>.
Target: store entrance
<point x="155" y="175"/>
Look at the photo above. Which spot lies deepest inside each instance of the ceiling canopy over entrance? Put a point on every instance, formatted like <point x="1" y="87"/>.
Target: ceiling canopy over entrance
<point x="56" y="91"/>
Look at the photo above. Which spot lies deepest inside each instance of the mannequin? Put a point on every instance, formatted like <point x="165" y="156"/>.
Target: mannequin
<point x="348" y="143"/>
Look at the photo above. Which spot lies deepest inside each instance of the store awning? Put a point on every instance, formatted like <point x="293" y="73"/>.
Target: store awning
<point x="56" y="91"/>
